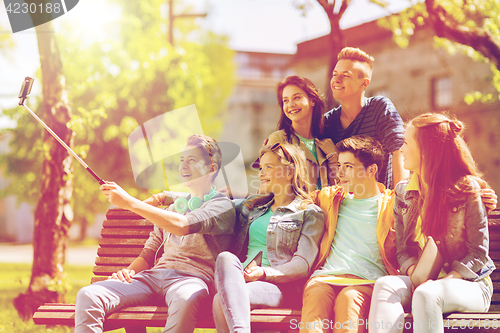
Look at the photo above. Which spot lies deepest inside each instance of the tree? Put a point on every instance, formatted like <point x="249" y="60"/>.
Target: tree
<point x="114" y="84"/>
<point x="471" y="26"/>
<point x="53" y="212"/>
<point x="334" y="11"/>
<point x="336" y="37"/>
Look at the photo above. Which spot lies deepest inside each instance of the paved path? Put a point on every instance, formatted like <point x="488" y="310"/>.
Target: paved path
<point x="81" y="255"/>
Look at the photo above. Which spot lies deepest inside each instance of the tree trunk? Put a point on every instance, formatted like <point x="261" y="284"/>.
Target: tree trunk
<point x="336" y="40"/>
<point x="53" y="212"/>
<point x="337" y="44"/>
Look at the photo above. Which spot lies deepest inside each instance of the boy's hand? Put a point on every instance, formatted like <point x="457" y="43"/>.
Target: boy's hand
<point x="124" y="275"/>
<point x="233" y="194"/>
<point x="116" y="195"/>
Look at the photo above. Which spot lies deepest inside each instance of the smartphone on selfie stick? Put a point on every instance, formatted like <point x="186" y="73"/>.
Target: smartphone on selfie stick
<point x="23" y="94"/>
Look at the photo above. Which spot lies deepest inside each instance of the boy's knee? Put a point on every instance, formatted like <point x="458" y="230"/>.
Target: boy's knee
<point x="350" y="297"/>
<point x="86" y="295"/>
<point x="314" y="286"/>
<point x="189" y="295"/>
<point x="225" y="258"/>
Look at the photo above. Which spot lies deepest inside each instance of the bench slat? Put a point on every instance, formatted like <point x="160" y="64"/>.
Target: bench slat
<point x="103" y="261"/>
<point x="117" y="242"/>
<point x="125" y="233"/>
<point x="119" y="252"/>
<point x="107" y="270"/>
<point x="98" y="278"/>
<point x="54" y="313"/>
<point x="118" y="213"/>
<point x="128" y="223"/>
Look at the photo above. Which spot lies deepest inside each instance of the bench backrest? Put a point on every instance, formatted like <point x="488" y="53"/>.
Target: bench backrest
<point x="124" y="234"/>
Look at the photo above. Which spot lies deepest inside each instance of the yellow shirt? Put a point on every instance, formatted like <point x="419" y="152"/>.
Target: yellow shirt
<point x="414" y="185"/>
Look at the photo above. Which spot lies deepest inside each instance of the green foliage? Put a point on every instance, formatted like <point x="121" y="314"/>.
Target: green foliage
<point x="14" y="279"/>
<point x="129" y="75"/>
<point x="483" y="14"/>
<point x="6" y="41"/>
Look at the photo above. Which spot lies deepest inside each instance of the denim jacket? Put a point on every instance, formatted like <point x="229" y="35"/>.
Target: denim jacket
<point x="327" y="168"/>
<point x="465" y="245"/>
<point x="293" y="236"/>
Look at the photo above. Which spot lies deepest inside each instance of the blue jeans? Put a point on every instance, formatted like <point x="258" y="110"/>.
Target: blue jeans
<point x="181" y="292"/>
<point x="235" y="298"/>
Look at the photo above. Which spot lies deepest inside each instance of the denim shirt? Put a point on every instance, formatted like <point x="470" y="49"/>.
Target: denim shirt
<point x="293" y="236"/>
<point x="465" y="245"/>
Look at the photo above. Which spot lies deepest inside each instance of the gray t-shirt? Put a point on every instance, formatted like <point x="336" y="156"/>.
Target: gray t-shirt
<point x="212" y="224"/>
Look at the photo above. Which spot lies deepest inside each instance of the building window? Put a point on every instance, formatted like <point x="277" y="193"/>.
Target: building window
<point x="442" y="92"/>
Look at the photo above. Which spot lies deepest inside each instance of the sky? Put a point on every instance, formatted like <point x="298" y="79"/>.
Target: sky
<point x="252" y="25"/>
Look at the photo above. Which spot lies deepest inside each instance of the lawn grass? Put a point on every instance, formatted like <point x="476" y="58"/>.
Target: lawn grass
<point x="14" y="279"/>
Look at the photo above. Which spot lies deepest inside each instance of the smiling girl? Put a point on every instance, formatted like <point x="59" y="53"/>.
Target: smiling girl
<point x="276" y="223"/>
<point x="301" y="124"/>
<point x="442" y="200"/>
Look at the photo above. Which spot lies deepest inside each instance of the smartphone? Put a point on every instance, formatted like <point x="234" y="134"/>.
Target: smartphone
<point x="256" y="261"/>
<point x="26" y="87"/>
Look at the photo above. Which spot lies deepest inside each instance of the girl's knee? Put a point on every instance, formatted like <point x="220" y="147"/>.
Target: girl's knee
<point x="424" y="295"/>
<point x="384" y="283"/>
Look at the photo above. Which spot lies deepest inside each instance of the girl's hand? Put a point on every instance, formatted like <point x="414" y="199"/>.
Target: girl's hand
<point x="326" y="145"/>
<point x="489" y="198"/>
<point x="410" y="270"/>
<point x="254" y="273"/>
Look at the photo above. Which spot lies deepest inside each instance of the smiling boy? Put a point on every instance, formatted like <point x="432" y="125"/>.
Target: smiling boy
<point x="358" y="242"/>
<point x="185" y="242"/>
<point x="374" y="116"/>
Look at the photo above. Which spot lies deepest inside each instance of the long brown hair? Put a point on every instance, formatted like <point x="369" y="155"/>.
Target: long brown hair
<point x="293" y="157"/>
<point x="446" y="166"/>
<point x="317" y="124"/>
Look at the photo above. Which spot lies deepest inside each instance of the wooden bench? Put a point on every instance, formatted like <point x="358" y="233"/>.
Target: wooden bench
<point x="123" y="236"/>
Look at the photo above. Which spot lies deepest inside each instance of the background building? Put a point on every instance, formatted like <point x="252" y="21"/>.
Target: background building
<point x="253" y="111"/>
<point x="419" y="79"/>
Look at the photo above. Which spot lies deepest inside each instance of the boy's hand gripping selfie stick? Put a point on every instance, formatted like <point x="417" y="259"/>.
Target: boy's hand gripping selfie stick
<point x="23" y="94"/>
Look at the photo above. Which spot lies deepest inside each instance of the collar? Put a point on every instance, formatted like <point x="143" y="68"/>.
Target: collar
<point x="414" y="184"/>
<point x="292" y="206"/>
<point x="412" y="189"/>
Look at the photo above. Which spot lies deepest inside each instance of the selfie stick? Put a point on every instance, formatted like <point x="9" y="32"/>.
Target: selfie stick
<point x="23" y="94"/>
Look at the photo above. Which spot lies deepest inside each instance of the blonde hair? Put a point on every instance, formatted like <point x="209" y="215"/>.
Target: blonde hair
<point x="290" y="156"/>
<point x="358" y="55"/>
